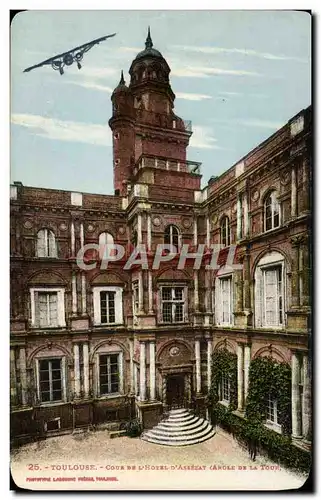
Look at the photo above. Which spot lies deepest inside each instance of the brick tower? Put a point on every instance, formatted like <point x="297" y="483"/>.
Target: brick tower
<point x="146" y="131"/>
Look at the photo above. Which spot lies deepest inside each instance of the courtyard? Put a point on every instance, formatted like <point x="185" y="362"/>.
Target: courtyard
<point x="93" y="461"/>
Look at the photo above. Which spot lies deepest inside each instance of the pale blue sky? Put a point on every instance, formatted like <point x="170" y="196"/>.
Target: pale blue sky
<point x="237" y="75"/>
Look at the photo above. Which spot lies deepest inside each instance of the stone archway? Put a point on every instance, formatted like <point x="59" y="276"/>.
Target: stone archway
<point x="176" y="373"/>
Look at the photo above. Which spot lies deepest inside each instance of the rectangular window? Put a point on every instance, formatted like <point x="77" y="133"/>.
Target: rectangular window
<point x="50" y="380"/>
<point x="46" y="304"/>
<point x="173" y="303"/>
<point x="225" y="389"/>
<point x="272" y="410"/>
<point x="108" y="374"/>
<point x="273" y="297"/>
<point x="107" y="307"/>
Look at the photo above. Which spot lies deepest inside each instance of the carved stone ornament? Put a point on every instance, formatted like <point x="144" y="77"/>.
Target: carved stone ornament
<point x="27" y="224"/>
<point x="156" y="221"/>
<point x="234" y="209"/>
<point x="285" y="178"/>
<point x="121" y="230"/>
<point x="174" y="351"/>
<point x="90" y="228"/>
<point x="63" y="226"/>
<point x="214" y="220"/>
<point x="187" y="222"/>
<point x="255" y="195"/>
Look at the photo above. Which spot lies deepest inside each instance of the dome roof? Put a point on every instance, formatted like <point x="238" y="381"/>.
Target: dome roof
<point x="121" y="87"/>
<point x="149" y="51"/>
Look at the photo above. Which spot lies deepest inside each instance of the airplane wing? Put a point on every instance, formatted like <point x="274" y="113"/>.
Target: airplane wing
<point x="77" y="52"/>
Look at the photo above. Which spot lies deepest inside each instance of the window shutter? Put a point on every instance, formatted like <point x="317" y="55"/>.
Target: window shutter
<point x="52" y="244"/>
<point x="96" y="297"/>
<point x="41" y="243"/>
<point x="258" y="298"/>
<point x="43" y="309"/>
<point x="216" y="302"/>
<point x="271" y="298"/>
<point x="53" y="309"/>
<point x="36" y="319"/>
<point x="119" y="306"/>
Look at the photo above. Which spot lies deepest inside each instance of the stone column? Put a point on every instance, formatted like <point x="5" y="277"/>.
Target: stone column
<point x="209" y="364"/>
<point x="240" y="382"/>
<point x="82" y="236"/>
<point x="131" y="367"/>
<point x="208" y="234"/>
<point x="208" y="302"/>
<point x="239" y="291"/>
<point x="296" y="403"/>
<point x="305" y="272"/>
<point x="247" y="361"/>
<point x="306" y="407"/>
<point x="294" y="194"/>
<point x="305" y="202"/>
<point x="139" y="229"/>
<point x="195" y="232"/>
<point x="198" y="366"/>
<point x="246" y="215"/>
<point x="196" y="297"/>
<point x="152" y="372"/>
<point x="150" y="292"/>
<point x="86" y="368"/>
<point x="142" y="371"/>
<point x="149" y="233"/>
<point x="295" y="276"/>
<point x="239" y="217"/>
<point x="247" y="281"/>
<point x="140" y="292"/>
<point x="72" y="237"/>
<point x="13" y="377"/>
<point x="74" y="293"/>
<point x="83" y="294"/>
<point x="23" y="375"/>
<point x="76" y="371"/>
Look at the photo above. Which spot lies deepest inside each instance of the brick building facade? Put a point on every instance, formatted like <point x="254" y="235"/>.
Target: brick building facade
<point x="98" y="346"/>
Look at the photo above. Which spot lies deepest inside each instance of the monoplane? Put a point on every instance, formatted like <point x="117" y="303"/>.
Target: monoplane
<point x="68" y="58"/>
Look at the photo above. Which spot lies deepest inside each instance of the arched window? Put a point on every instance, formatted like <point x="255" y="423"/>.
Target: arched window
<point x="46" y="243"/>
<point x="225" y="232"/>
<point x="106" y="245"/>
<point x="172" y="236"/>
<point x="271" y="212"/>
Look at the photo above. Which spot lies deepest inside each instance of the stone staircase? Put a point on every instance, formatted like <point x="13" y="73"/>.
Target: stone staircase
<point x="180" y="428"/>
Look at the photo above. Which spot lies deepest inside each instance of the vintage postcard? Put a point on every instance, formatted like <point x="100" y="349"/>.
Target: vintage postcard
<point x="160" y="250"/>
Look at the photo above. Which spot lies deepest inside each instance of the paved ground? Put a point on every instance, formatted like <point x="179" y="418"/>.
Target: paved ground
<point x="127" y="464"/>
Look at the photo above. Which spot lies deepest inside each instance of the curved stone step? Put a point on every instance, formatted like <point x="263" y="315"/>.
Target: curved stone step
<point x="183" y="442"/>
<point x="198" y="433"/>
<point x="178" y="411"/>
<point x="186" y="417"/>
<point x="182" y="425"/>
<point x="180" y="428"/>
<point x="156" y="431"/>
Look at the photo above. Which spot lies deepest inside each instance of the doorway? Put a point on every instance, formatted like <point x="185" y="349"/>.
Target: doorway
<point x="175" y="388"/>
